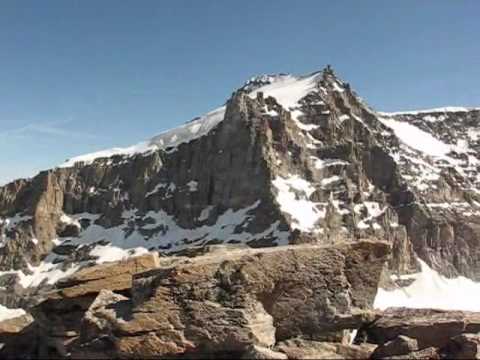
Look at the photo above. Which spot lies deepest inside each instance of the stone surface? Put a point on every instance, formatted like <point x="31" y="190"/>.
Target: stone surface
<point x="431" y="328"/>
<point x="464" y="346"/>
<point x="307" y="349"/>
<point x="261" y="353"/>
<point x="402" y="345"/>
<point x="116" y="276"/>
<point x="203" y="303"/>
<point x="15" y="325"/>
<point x="429" y="353"/>
<point x="303" y="349"/>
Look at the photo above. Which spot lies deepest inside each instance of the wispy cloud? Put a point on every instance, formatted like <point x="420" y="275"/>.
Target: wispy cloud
<point x="53" y="128"/>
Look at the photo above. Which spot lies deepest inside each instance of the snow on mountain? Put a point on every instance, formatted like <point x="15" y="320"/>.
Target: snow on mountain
<point x="417" y="138"/>
<point x="168" y="139"/>
<point x="429" y="289"/>
<point x="452" y="109"/>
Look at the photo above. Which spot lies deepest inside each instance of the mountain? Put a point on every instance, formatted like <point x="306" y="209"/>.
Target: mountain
<point x="287" y="160"/>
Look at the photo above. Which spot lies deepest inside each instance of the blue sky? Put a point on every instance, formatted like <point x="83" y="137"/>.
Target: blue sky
<point x="80" y="76"/>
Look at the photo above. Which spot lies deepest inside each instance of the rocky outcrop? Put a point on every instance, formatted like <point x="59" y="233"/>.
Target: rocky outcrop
<point x="465" y="346"/>
<point x="115" y="276"/>
<point x="424" y="334"/>
<point x="401" y="345"/>
<point x="299" y="349"/>
<point x="428" y="327"/>
<point x="227" y="303"/>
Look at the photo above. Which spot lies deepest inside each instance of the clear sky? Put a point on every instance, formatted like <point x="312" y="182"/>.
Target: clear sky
<point x="80" y="76"/>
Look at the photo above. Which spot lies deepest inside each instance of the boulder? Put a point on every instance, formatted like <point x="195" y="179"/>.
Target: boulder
<point x="307" y="349"/>
<point x="100" y="314"/>
<point x="401" y="345"/>
<point x="431" y="328"/>
<point x="465" y="346"/>
<point x="226" y="303"/>
<point x="429" y="353"/>
<point x="115" y="276"/>
<point x="302" y="349"/>
<point x="256" y="352"/>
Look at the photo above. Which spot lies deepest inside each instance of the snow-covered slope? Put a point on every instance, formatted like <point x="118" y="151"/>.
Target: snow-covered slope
<point x="447" y="109"/>
<point x="429" y="289"/>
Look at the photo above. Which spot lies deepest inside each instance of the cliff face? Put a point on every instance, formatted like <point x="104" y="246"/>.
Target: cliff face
<point x="286" y="161"/>
<point x="443" y="218"/>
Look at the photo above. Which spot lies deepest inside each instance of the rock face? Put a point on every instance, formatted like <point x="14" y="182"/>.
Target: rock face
<point x="428" y="327"/>
<point x="401" y="345"/>
<point x="228" y="303"/>
<point x="425" y="334"/>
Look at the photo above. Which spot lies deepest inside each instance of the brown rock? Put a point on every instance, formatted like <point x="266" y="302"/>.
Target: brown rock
<point x="429" y="353"/>
<point x="102" y="312"/>
<point x="256" y="352"/>
<point x="114" y="276"/>
<point x="304" y="349"/>
<point x="307" y="349"/>
<point x="431" y="328"/>
<point x="227" y="302"/>
<point x="401" y="345"/>
<point x="15" y="325"/>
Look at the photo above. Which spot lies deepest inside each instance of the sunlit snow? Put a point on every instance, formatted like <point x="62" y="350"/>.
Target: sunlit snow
<point x="6" y="313"/>
<point x="432" y="290"/>
<point x="293" y="197"/>
<point x="417" y="138"/>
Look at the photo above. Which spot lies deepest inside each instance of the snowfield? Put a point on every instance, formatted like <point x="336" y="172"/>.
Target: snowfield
<point x="417" y="138"/>
<point x="432" y="290"/>
<point x="429" y="111"/>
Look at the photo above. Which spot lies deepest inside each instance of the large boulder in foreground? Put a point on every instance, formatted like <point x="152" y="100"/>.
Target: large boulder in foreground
<point x="224" y="303"/>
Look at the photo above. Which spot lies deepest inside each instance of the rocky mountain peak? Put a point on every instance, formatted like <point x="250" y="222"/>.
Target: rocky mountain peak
<point x="287" y="160"/>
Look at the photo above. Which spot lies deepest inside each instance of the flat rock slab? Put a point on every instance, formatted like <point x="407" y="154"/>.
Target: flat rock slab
<point x="111" y="276"/>
<point x="431" y="328"/>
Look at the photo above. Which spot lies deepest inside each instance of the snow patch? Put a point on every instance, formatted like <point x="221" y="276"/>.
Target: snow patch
<point x="168" y="139"/>
<point x="192" y="186"/>
<point x="293" y="198"/>
<point x="6" y="313"/>
<point x="447" y="109"/>
<point x="432" y="290"/>
<point x="416" y="138"/>
<point x="288" y="90"/>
